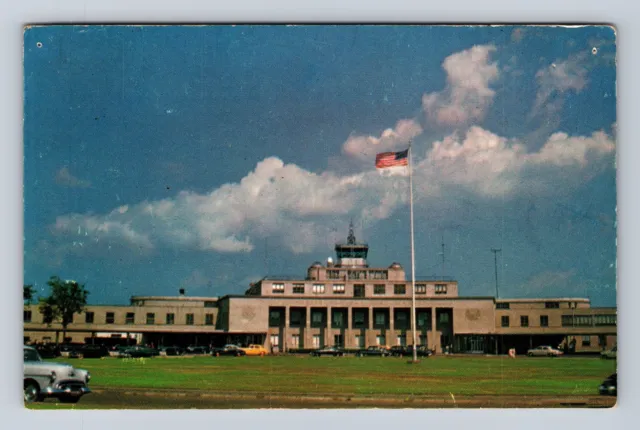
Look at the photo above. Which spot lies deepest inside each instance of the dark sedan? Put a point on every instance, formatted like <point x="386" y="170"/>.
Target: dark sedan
<point x="139" y="352"/>
<point x="194" y="349"/>
<point x="93" y="351"/>
<point x="609" y="386"/>
<point x="328" y="350"/>
<point x="171" y="351"/>
<point x="48" y="350"/>
<point x="407" y="351"/>
<point x="373" y="351"/>
<point x="70" y="350"/>
<point x="233" y="350"/>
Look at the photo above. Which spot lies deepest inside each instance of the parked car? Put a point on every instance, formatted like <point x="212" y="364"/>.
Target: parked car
<point x="609" y="386"/>
<point x="612" y="353"/>
<point x="255" y="350"/>
<point x="117" y="350"/>
<point x="544" y="351"/>
<point x="230" y="349"/>
<point x="400" y="351"/>
<point x="70" y="350"/>
<point x="328" y="350"/>
<point x="407" y="351"/>
<point x="93" y="351"/>
<point x="374" y="351"/>
<point x="193" y="349"/>
<point x="48" y="350"/>
<point x="139" y="352"/>
<point x="171" y="351"/>
<point x="48" y="379"/>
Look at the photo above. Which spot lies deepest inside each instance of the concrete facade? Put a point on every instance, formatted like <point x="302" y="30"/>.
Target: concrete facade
<point x="345" y="303"/>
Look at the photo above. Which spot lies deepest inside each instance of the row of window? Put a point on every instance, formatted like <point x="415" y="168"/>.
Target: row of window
<point x="357" y="274"/>
<point x="547" y="305"/>
<point x="89" y="318"/>
<point x="358" y="289"/>
<point x="524" y="321"/>
<point x="206" y="304"/>
<point x="568" y="320"/>
<point x="360" y="319"/>
<point x="588" y="320"/>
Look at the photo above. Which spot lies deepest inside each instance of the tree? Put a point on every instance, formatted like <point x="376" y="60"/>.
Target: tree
<point x="27" y="294"/>
<point x="66" y="299"/>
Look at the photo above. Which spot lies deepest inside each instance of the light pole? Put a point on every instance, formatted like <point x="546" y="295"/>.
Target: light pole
<point x="495" y="261"/>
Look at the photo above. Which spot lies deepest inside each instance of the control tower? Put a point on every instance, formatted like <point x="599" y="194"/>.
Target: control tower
<point x="351" y="254"/>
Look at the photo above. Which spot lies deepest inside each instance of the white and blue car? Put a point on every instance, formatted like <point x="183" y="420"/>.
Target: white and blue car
<point x="44" y="379"/>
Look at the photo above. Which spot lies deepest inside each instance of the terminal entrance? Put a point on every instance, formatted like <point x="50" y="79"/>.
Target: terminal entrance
<point x="472" y="344"/>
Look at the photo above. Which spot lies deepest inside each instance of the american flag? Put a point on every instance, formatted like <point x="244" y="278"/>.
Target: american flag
<point x="391" y="159"/>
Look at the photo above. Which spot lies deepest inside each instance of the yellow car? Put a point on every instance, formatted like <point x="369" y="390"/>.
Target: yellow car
<point x="255" y="350"/>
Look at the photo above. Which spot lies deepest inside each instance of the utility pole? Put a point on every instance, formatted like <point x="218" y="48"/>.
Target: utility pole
<point x="495" y="261"/>
<point x="443" y="256"/>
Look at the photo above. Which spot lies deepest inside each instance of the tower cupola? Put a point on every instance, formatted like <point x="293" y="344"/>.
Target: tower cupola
<point x="352" y="253"/>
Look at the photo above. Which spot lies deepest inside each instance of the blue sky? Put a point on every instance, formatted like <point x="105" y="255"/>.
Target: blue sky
<point x="205" y="157"/>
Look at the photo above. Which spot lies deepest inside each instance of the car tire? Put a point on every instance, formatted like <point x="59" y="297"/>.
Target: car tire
<point x="238" y="354"/>
<point x="529" y="354"/>
<point x="31" y="392"/>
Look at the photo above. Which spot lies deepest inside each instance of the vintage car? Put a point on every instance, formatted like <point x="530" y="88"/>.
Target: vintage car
<point x="48" y="379"/>
<point x="374" y="351"/>
<point x="139" y="351"/>
<point x="407" y="351"/>
<point x="70" y="350"/>
<point x="195" y="350"/>
<point x="230" y="349"/>
<point x="333" y="351"/>
<point x="610" y="354"/>
<point x="117" y="350"/>
<point x="609" y="386"/>
<point x="171" y="351"/>
<point x="48" y="350"/>
<point x="255" y="350"/>
<point x="93" y="351"/>
<point x="544" y="351"/>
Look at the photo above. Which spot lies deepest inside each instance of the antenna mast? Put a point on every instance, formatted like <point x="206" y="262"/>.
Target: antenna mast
<point x="443" y="256"/>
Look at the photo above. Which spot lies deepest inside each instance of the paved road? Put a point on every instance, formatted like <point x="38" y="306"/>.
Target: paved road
<point x="170" y="399"/>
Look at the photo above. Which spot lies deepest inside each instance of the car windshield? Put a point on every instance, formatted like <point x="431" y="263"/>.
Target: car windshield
<point x="31" y="355"/>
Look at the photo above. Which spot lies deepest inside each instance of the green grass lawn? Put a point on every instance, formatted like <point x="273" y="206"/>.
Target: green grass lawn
<point x="355" y="376"/>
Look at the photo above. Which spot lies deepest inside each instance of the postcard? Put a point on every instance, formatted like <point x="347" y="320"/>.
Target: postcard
<point x="318" y="216"/>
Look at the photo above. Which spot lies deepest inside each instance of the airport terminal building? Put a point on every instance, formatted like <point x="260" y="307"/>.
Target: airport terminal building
<point x="346" y="303"/>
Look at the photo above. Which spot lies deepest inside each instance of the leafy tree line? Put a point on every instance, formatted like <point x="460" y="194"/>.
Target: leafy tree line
<point x="65" y="299"/>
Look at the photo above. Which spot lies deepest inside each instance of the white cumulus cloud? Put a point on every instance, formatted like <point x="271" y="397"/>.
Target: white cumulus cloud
<point x="491" y="165"/>
<point x="276" y="199"/>
<point x="364" y="148"/>
<point x="467" y="95"/>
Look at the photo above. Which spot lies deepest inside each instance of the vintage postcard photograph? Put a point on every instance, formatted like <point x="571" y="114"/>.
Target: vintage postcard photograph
<point x="319" y="216"/>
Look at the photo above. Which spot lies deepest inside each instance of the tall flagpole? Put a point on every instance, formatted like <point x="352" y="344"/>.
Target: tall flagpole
<point x="413" y="261"/>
